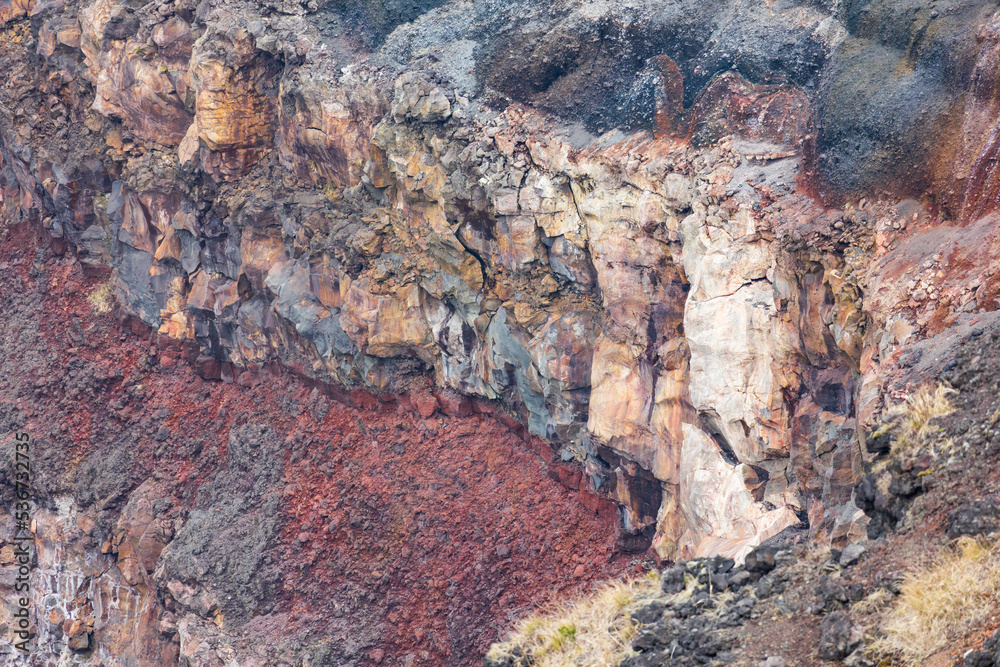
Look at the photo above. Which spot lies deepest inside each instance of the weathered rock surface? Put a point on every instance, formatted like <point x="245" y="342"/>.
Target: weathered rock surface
<point x="688" y="246"/>
<point x="184" y="521"/>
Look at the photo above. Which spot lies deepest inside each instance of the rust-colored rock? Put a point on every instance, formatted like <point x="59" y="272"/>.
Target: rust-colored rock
<point x="689" y="283"/>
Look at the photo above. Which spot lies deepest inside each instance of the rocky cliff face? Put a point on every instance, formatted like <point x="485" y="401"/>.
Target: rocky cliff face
<point x="686" y="246"/>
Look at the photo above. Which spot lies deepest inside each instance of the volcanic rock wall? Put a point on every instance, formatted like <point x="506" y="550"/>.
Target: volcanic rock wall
<point x="178" y="520"/>
<point x="675" y="241"/>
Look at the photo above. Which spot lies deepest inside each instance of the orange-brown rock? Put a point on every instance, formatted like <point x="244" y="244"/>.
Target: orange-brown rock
<point x="325" y="133"/>
<point x="13" y="9"/>
<point x="235" y="109"/>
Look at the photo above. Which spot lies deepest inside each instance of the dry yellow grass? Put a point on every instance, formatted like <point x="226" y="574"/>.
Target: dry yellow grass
<point x="595" y="630"/>
<point x="941" y="602"/>
<point x="102" y="299"/>
<point x="875" y="601"/>
<point x="911" y="425"/>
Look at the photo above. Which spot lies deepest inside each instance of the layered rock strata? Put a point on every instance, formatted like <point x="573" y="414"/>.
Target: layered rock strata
<point x="183" y="521"/>
<point x="675" y="243"/>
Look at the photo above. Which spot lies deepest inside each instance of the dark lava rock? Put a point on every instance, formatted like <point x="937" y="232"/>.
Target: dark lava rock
<point x="517" y="657"/>
<point x="832" y="593"/>
<point x="974" y="518"/>
<point x="672" y="579"/>
<point x="722" y="565"/>
<point x="647" y="659"/>
<point x="851" y="554"/>
<point x="906" y="483"/>
<point x="859" y="119"/>
<point x="693" y="630"/>
<point x="121" y="26"/>
<point x="656" y="635"/>
<point x="739" y="579"/>
<point x="649" y="613"/>
<point x="837" y="640"/>
<point x="745" y="606"/>
<point x="885" y="511"/>
<point x="979" y="659"/>
<point x="880" y="444"/>
<point x="988" y="655"/>
<point x="765" y="588"/>
<point x="993" y="644"/>
<point x="761" y="560"/>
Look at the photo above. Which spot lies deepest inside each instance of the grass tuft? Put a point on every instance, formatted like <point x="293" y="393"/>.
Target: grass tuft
<point x="941" y="602"/>
<point x="912" y="426"/>
<point x="875" y="601"/>
<point x="102" y="299"/>
<point x="595" y="630"/>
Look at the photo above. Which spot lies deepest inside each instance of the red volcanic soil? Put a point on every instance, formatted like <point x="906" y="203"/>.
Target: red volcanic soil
<point x="420" y="538"/>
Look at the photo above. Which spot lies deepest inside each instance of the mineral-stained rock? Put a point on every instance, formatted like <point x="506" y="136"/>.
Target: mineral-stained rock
<point x="141" y="534"/>
<point x="386" y="326"/>
<point x="325" y="130"/>
<point x="12" y="9"/>
<point x="695" y="284"/>
<point x="143" y="94"/>
<point x="234" y="103"/>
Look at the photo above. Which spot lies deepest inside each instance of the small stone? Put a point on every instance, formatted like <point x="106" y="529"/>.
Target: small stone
<point x="672" y="579"/>
<point x="858" y="659"/>
<point x="851" y="554"/>
<point x="760" y="560"/>
<point x="426" y="405"/>
<point x="722" y="565"/>
<point x="974" y="518"/>
<point x="79" y="643"/>
<point x="74" y="628"/>
<point x="856" y="592"/>
<point x="650" y="613"/>
<point x="579" y="571"/>
<point x="774" y="661"/>
<point x="837" y="638"/>
<point x="739" y="579"/>
<point x="503" y="551"/>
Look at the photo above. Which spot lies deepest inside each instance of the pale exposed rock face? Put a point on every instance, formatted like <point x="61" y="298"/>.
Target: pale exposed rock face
<point x="722" y="514"/>
<point x="106" y="593"/>
<point x="623" y="250"/>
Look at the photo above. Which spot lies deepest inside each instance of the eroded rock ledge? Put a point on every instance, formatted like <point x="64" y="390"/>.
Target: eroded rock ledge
<point x="682" y="255"/>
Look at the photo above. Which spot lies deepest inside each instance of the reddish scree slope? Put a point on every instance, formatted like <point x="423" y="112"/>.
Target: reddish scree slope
<point x="440" y="529"/>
